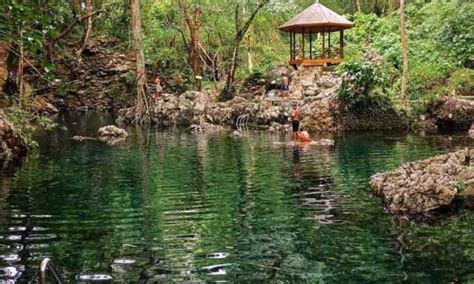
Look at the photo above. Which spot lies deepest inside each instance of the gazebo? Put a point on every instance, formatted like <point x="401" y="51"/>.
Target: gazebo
<point x="316" y="23"/>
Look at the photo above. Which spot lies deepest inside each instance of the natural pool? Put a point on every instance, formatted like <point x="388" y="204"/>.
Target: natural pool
<point x="169" y="206"/>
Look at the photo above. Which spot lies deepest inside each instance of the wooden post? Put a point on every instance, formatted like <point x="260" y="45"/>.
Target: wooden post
<point x="302" y="43"/>
<point x="294" y="46"/>
<point x="291" y="47"/>
<point x="329" y="44"/>
<point x="341" y="43"/>
<point x="324" y="45"/>
<point x="311" y="45"/>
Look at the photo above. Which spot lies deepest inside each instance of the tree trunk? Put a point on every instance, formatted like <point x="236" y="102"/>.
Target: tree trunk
<point x="403" y="36"/>
<point x="359" y="6"/>
<point x="11" y="87"/>
<point x="87" y="31"/>
<point x="194" y="50"/>
<point x="241" y="31"/>
<point x="142" y="109"/>
<point x="14" y="85"/>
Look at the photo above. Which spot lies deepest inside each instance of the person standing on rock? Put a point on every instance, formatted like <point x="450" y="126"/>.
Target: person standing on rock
<point x="295" y="120"/>
<point x="285" y="86"/>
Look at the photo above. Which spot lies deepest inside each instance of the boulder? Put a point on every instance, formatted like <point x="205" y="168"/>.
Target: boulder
<point x="112" y="131"/>
<point x="206" y="128"/>
<point x="236" y="134"/>
<point x="446" y="114"/>
<point x="424" y="186"/>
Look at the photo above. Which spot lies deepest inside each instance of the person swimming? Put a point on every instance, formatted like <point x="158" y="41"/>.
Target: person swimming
<point x="303" y="135"/>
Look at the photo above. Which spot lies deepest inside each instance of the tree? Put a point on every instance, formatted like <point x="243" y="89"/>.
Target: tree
<point x="358" y="5"/>
<point x="193" y="47"/>
<point x="240" y="32"/>
<point x="87" y="31"/>
<point x="142" y="108"/>
<point x="403" y="36"/>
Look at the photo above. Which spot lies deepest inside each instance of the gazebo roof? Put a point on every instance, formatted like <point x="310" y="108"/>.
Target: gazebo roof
<point x="317" y="18"/>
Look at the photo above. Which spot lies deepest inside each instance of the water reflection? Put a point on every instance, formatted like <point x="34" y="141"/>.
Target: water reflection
<point x="167" y="206"/>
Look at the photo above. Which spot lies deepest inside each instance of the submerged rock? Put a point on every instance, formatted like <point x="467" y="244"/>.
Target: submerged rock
<point x="323" y="142"/>
<point x="82" y="138"/>
<point x="236" y="134"/>
<point x="205" y="128"/>
<point x="425" y="186"/>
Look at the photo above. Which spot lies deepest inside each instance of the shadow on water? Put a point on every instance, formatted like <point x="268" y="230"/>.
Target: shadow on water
<point x="169" y="206"/>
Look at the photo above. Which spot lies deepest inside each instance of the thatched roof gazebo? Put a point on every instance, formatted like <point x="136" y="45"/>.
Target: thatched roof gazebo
<point x="316" y="23"/>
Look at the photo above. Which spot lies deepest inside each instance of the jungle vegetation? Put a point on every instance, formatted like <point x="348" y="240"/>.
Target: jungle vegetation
<point x="413" y="51"/>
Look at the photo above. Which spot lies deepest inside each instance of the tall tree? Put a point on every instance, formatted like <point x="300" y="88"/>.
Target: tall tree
<point x="403" y="36"/>
<point x="193" y="47"/>
<point x="87" y="30"/>
<point x="142" y="107"/>
<point x="358" y="5"/>
<point x="240" y="32"/>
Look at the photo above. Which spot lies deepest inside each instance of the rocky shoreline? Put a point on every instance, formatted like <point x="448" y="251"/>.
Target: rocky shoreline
<point x="12" y="147"/>
<point x="314" y="90"/>
<point x="424" y="187"/>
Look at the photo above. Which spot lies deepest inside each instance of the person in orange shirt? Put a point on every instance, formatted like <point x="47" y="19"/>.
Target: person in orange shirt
<point x="303" y="135"/>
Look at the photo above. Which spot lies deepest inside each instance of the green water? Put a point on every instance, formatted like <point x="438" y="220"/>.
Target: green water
<point x="169" y="206"/>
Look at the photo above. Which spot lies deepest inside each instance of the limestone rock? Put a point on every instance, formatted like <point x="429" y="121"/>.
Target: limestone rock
<point x="205" y="128"/>
<point x="447" y="113"/>
<point x="236" y="134"/>
<point x="423" y="186"/>
<point x="12" y="146"/>
<point x="112" y="131"/>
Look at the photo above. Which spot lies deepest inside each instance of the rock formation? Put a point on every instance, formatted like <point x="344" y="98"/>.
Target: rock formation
<point x="313" y="89"/>
<point x="424" y="186"/>
<point x="12" y="145"/>
<point x="112" y="131"/>
<point x="447" y="113"/>
<point x="103" y="80"/>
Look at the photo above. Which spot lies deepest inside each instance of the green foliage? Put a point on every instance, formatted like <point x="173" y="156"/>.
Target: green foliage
<point x="128" y="79"/>
<point x="21" y="120"/>
<point x="462" y="82"/>
<point x="362" y="84"/>
<point x="22" y="25"/>
<point x="25" y="123"/>
<point x="440" y="42"/>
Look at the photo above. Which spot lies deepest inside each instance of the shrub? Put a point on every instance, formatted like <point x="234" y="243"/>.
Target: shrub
<point x="462" y="82"/>
<point x="363" y="84"/>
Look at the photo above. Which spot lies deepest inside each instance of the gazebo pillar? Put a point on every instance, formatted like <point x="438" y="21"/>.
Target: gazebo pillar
<point x="324" y="45"/>
<point x="302" y="44"/>
<point x="341" y="43"/>
<point x="311" y="45"/>
<point x="329" y="44"/>
<point x="291" y="47"/>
